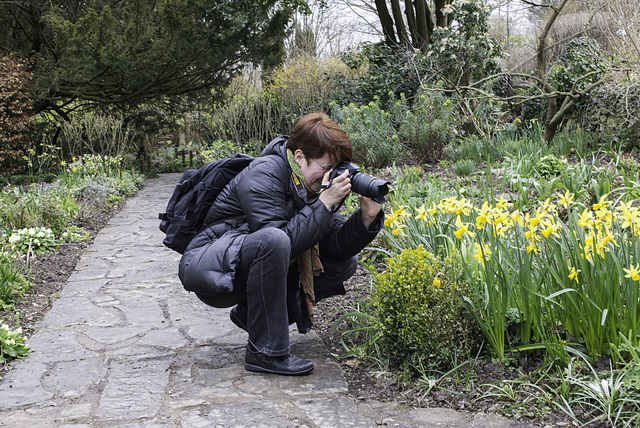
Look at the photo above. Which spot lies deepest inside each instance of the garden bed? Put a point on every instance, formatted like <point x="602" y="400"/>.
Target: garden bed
<point x="468" y="390"/>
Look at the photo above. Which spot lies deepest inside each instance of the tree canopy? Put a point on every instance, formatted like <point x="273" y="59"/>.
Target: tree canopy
<point x="124" y="53"/>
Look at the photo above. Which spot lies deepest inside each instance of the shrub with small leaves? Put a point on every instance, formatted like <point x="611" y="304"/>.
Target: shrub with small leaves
<point x="372" y="133"/>
<point x="40" y="240"/>
<point x="430" y="126"/>
<point x="12" y="344"/>
<point x="419" y="307"/>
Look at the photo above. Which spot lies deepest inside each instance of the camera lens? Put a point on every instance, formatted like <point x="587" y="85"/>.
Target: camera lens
<point x="370" y="187"/>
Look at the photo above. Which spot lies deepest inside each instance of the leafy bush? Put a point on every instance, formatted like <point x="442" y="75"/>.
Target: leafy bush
<point x="372" y="134"/>
<point x="463" y="52"/>
<point x="39" y="240"/>
<point x="430" y="125"/>
<point x="303" y="85"/>
<point x="612" y="110"/>
<point x="383" y="73"/>
<point x="417" y="301"/>
<point x="12" y="344"/>
<point x="579" y="65"/>
<point x="464" y="167"/>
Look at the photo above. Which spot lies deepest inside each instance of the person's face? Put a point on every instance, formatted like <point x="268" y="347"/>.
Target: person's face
<point x="314" y="170"/>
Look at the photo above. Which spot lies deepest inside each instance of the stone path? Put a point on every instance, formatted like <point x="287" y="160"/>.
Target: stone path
<point x="126" y="346"/>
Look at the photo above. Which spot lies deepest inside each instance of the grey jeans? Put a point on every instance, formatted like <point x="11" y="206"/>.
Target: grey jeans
<point x="265" y="280"/>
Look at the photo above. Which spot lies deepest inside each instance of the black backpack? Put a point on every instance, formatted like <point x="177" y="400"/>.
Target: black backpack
<point x="192" y="198"/>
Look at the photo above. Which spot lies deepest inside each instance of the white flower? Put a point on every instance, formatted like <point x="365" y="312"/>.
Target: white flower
<point x="14" y="238"/>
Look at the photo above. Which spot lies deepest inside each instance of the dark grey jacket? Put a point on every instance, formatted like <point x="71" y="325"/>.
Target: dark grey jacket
<point x="265" y="195"/>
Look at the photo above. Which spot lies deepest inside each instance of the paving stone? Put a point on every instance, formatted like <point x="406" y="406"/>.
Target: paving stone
<point x="76" y="377"/>
<point x="64" y="312"/>
<point x="133" y="389"/>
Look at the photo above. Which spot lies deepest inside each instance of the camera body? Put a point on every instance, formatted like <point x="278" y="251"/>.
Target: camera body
<point x="362" y="184"/>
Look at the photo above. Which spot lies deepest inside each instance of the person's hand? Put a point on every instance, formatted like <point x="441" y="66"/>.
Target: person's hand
<point x="369" y="210"/>
<point x="339" y="189"/>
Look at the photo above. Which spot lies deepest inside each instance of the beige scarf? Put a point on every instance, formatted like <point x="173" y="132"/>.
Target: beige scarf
<point x="309" y="264"/>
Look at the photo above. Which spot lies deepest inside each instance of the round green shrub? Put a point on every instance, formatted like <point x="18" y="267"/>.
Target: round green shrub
<point x="418" y="304"/>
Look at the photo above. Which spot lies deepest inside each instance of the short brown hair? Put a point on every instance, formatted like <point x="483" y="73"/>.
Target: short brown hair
<point x="316" y="134"/>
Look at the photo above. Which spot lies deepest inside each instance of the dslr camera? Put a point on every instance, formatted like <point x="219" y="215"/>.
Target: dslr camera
<point x="362" y="184"/>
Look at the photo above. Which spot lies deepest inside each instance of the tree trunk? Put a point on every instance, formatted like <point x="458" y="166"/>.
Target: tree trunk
<point x="411" y="21"/>
<point x="441" y="19"/>
<point x="551" y="126"/>
<point x="422" y="18"/>
<point x="387" y="22"/>
<point x="400" y="28"/>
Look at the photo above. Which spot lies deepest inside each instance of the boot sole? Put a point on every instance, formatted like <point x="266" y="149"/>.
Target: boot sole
<point x="259" y="369"/>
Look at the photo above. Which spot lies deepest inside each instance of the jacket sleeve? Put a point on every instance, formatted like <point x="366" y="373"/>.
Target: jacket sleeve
<point x="262" y="194"/>
<point x="349" y="237"/>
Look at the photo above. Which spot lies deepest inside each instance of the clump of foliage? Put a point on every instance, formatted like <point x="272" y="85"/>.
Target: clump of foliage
<point x="372" y="133"/>
<point x="579" y="65"/>
<point x="383" y="74"/>
<point x="12" y="283"/>
<point x="12" y="344"/>
<point x="430" y="125"/>
<point x="35" y="240"/>
<point x="302" y="84"/>
<point x="421" y="316"/>
<point x="463" y="53"/>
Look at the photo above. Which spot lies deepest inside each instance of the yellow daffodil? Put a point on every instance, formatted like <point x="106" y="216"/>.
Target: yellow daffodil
<point x="482" y="252"/>
<point x="549" y="229"/>
<point x="436" y="282"/>
<point x="483" y="215"/>
<point x="573" y="275"/>
<point x="502" y="204"/>
<point x="586" y="219"/>
<point x="398" y="230"/>
<point x="633" y="273"/>
<point x="63" y="163"/>
<point x="567" y="199"/>
<point x="422" y="213"/>
<point x="401" y="212"/>
<point x="602" y="203"/>
<point x="462" y="229"/>
<point x="517" y="218"/>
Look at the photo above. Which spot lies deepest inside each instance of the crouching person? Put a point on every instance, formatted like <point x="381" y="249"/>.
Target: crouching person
<point x="273" y="248"/>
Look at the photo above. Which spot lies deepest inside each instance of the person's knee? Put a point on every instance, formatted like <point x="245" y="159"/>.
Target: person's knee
<point x="268" y="242"/>
<point x="273" y="239"/>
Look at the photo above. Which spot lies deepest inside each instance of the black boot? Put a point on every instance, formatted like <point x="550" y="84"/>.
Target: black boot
<point x="238" y="316"/>
<point x="287" y="365"/>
